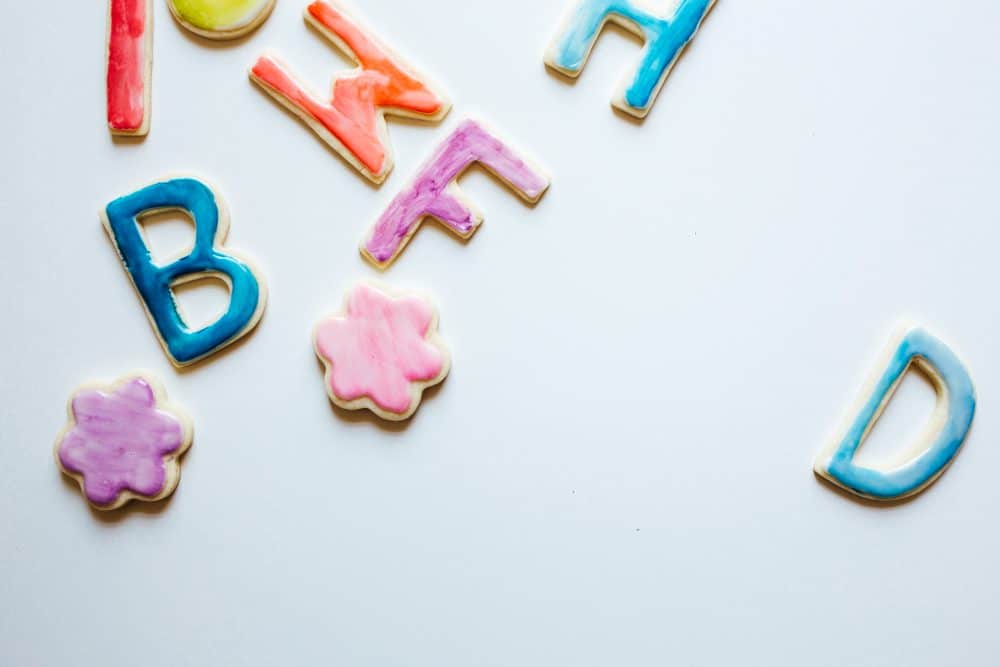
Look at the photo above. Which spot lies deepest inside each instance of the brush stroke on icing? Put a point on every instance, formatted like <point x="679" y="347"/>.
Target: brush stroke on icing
<point x="956" y="408"/>
<point x="120" y="444"/>
<point x="433" y="192"/>
<point x="665" y="39"/>
<point x="128" y="53"/>
<point x="353" y="121"/>
<point x="153" y="283"/>
<point x="381" y="353"/>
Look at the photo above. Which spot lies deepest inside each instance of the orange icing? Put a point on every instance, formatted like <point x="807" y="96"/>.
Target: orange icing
<point x="358" y="97"/>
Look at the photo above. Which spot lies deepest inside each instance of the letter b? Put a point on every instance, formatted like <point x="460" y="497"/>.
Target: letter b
<point x="154" y="283"/>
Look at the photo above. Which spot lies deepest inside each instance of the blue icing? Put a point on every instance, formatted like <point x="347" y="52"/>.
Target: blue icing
<point x="665" y="38"/>
<point x="153" y="282"/>
<point x="907" y="479"/>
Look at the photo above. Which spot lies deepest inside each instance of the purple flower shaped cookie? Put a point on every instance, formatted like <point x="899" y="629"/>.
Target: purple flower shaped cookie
<point x="123" y="442"/>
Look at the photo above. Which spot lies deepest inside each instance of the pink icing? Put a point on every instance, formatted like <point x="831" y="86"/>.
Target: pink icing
<point x="360" y="97"/>
<point x="118" y="442"/>
<point x="428" y="193"/>
<point x="379" y="348"/>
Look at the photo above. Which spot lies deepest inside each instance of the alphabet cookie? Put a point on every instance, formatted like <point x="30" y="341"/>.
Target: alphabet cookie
<point x="381" y="352"/>
<point x="123" y="442"/>
<point x="665" y="39"/>
<point x="930" y="456"/>
<point x="353" y="122"/>
<point x="129" y="63"/>
<point x="154" y="283"/>
<point x="221" y="19"/>
<point x="433" y="192"/>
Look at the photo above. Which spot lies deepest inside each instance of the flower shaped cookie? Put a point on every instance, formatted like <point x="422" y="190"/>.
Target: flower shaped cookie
<point x="381" y="353"/>
<point x="123" y="442"/>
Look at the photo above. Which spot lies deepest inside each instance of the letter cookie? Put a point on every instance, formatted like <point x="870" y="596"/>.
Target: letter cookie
<point x="353" y="123"/>
<point x="434" y="193"/>
<point x="129" y="59"/>
<point x="665" y="39"/>
<point x="381" y="353"/>
<point x="220" y="19"/>
<point x="247" y="294"/>
<point x="123" y="442"/>
<point x="925" y="462"/>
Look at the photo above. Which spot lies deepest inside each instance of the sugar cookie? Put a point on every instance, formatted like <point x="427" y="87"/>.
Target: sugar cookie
<point x="665" y="39"/>
<point x="221" y="19"/>
<point x="153" y="283"/>
<point x="931" y="455"/>
<point x="129" y="63"/>
<point x="434" y="193"/>
<point x="353" y="122"/>
<point x="381" y="352"/>
<point x="123" y="442"/>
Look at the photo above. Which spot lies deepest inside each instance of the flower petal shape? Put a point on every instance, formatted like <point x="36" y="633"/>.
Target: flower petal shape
<point x="381" y="353"/>
<point x="123" y="442"/>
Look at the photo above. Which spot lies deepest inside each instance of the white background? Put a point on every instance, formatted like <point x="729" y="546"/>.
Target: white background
<point x="618" y="469"/>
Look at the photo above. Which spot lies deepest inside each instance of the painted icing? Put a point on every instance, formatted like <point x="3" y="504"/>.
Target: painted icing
<point x="128" y="55"/>
<point x="221" y="18"/>
<point x="665" y="39"/>
<point x="433" y="192"/>
<point x="956" y="408"/>
<point x="353" y="121"/>
<point x="121" y="444"/>
<point x="381" y="353"/>
<point x="153" y="283"/>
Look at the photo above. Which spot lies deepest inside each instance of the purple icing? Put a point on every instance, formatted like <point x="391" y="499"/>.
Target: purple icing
<point x="119" y="440"/>
<point x="427" y="195"/>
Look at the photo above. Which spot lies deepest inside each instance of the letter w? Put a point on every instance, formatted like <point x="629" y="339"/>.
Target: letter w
<point x="353" y="122"/>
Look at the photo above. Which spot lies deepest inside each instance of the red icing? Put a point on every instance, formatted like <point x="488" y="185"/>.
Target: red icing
<point x="352" y="115"/>
<point x="127" y="65"/>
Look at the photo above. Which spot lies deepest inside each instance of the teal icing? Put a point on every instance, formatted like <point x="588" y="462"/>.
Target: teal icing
<point x="957" y="393"/>
<point x="665" y="39"/>
<point x="153" y="282"/>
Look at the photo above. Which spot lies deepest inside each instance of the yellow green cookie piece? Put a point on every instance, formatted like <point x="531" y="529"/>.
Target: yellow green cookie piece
<point x="221" y="19"/>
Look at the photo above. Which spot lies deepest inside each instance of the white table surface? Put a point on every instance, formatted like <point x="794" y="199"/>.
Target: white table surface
<point x="618" y="469"/>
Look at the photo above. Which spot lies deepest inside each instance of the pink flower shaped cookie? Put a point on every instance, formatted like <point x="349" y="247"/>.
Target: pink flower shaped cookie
<point x="123" y="442"/>
<point x="381" y="353"/>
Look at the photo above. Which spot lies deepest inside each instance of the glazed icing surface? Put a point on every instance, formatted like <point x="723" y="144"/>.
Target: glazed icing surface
<point x="665" y="38"/>
<point x="213" y="15"/>
<point x="126" y="64"/>
<point x="153" y="283"/>
<point x="352" y="116"/>
<point x="118" y="441"/>
<point x="957" y="403"/>
<point x="379" y="348"/>
<point x="428" y="194"/>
